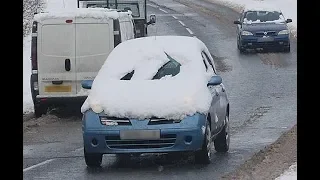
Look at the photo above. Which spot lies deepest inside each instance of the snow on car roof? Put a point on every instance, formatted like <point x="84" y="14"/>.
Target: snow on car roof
<point x="170" y="97"/>
<point x="261" y="9"/>
<point x="97" y="13"/>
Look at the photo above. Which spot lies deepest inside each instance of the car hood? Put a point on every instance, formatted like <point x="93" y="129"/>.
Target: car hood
<point x="255" y="27"/>
<point x="136" y="99"/>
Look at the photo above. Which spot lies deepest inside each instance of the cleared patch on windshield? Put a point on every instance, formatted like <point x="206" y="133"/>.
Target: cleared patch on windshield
<point x="171" y="68"/>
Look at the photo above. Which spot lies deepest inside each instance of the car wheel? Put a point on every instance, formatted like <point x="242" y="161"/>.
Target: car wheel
<point x="222" y="141"/>
<point x="39" y="110"/>
<point x="203" y="156"/>
<point x="93" y="159"/>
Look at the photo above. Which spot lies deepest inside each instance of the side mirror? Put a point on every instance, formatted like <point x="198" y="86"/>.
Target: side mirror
<point x="236" y="22"/>
<point x="86" y="84"/>
<point x="288" y="20"/>
<point x="215" y="80"/>
<point x="152" y="19"/>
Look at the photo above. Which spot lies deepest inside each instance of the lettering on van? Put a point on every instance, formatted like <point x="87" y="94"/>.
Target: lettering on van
<point x="88" y="77"/>
<point x="50" y="79"/>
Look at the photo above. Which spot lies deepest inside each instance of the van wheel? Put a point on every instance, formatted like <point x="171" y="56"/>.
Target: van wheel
<point x="39" y="110"/>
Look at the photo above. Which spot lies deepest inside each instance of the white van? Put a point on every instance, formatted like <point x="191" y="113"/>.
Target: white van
<point x="70" y="46"/>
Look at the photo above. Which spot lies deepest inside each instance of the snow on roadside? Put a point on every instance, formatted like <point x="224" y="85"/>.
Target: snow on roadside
<point x="290" y="174"/>
<point x="27" y="100"/>
<point x="50" y="5"/>
<point x="288" y="7"/>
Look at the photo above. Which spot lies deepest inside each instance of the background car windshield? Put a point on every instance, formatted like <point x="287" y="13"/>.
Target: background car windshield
<point x="262" y="16"/>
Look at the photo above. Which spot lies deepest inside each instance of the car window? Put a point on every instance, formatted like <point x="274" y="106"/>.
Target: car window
<point x="204" y="62"/>
<point x="206" y="57"/>
<point x="262" y="16"/>
<point x="172" y="68"/>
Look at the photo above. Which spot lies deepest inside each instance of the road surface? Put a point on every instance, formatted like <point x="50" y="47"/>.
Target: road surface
<point x="261" y="88"/>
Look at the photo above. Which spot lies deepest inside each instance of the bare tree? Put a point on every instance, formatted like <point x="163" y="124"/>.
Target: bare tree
<point x="29" y="8"/>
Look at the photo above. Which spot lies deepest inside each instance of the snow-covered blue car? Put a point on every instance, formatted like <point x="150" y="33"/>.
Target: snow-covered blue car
<point x="263" y="29"/>
<point x="156" y="95"/>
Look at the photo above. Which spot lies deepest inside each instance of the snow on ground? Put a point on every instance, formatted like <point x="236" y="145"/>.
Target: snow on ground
<point x="288" y="8"/>
<point x="27" y="100"/>
<point x="290" y="174"/>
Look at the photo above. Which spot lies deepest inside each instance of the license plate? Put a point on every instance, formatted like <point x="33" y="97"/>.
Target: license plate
<point x="58" y="89"/>
<point x="140" y="134"/>
<point x="265" y="39"/>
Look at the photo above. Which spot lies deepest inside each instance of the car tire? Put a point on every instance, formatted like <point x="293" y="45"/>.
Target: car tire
<point x="39" y="110"/>
<point x="93" y="160"/>
<point x="242" y="50"/>
<point x="203" y="156"/>
<point x="222" y="141"/>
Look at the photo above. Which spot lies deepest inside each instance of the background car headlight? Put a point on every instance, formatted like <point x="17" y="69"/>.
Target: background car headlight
<point x="246" y="33"/>
<point x="283" y="32"/>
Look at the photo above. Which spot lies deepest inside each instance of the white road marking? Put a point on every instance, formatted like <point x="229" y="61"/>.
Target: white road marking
<point x="182" y="23"/>
<point x="155" y="6"/>
<point x="37" y="165"/>
<point x="190" y="32"/>
<point x="174" y="17"/>
<point x="163" y="10"/>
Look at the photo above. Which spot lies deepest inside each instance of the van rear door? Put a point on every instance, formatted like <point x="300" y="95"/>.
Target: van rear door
<point x="56" y="57"/>
<point x="94" y="42"/>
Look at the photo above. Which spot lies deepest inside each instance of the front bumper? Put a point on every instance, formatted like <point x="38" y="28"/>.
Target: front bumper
<point x="252" y="42"/>
<point x="183" y="136"/>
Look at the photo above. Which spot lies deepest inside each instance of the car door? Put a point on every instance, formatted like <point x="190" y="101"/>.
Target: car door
<point x="56" y="57"/>
<point x="239" y="26"/>
<point x="214" y="102"/>
<point x="219" y="109"/>
<point x="94" y="42"/>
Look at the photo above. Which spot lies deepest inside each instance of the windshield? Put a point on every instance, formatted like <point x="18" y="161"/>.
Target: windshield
<point x="263" y="16"/>
<point x="171" y="68"/>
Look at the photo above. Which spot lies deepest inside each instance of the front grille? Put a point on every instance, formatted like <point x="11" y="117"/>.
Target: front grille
<point x="114" y="142"/>
<point x="269" y="33"/>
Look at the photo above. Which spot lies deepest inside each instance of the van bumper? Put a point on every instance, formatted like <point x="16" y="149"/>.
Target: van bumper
<point x="60" y="100"/>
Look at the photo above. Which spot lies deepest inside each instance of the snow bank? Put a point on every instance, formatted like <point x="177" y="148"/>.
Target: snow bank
<point x="172" y="97"/>
<point x="97" y="13"/>
<point x="290" y="174"/>
<point x="287" y="7"/>
<point x="27" y="100"/>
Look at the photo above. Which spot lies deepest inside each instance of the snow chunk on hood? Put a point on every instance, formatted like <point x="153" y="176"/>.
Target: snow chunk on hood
<point x="171" y="97"/>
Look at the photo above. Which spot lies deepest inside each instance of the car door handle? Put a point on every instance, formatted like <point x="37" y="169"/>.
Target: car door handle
<point x="67" y="65"/>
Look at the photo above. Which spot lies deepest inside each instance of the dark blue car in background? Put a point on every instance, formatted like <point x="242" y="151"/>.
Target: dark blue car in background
<point x="263" y="29"/>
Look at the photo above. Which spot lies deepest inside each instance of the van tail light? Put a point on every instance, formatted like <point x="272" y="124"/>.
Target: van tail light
<point x="34" y="60"/>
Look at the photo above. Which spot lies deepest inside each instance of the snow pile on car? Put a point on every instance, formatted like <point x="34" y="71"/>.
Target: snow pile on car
<point x="171" y="97"/>
<point x="96" y="13"/>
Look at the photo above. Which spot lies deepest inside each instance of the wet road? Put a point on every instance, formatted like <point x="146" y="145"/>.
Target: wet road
<point x="261" y="88"/>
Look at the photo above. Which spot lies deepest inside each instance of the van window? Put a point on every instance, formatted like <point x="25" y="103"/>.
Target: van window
<point x="57" y="40"/>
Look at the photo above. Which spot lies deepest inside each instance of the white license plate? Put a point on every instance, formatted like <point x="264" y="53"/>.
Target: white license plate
<point x="265" y="39"/>
<point x="140" y="134"/>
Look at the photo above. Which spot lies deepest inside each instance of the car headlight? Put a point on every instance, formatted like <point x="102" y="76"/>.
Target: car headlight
<point x="108" y="122"/>
<point x="96" y="108"/>
<point x="283" y="32"/>
<point x="246" y="33"/>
